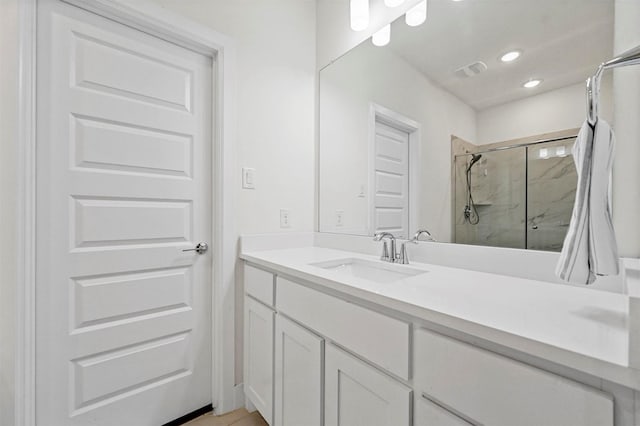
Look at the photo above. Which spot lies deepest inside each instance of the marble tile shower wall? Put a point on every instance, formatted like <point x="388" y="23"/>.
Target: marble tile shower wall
<point x="520" y="203"/>
<point x="551" y="193"/>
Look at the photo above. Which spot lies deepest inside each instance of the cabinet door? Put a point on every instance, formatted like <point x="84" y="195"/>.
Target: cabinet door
<point x="428" y="413"/>
<point x="298" y="375"/>
<point x="357" y="394"/>
<point x="258" y="360"/>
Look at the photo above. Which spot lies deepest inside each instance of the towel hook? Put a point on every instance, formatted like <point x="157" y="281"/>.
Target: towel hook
<point x="593" y="96"/>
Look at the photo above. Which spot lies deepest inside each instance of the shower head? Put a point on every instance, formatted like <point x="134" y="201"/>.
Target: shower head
<point x="474" y="159"/>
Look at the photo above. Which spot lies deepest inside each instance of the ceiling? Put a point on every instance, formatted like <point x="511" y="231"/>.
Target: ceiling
<point x="563" y="42"/>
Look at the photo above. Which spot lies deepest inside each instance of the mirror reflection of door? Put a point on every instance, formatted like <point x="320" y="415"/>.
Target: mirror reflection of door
<point x="391" y="180"/>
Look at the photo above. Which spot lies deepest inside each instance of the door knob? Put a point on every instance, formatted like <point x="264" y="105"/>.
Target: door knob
<point x="200" y="248"/>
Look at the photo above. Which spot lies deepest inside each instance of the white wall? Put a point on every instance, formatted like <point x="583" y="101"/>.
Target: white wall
<point x="551" y="111"/>
<point x="275" y="44"/>
<point x="626" y="169"/>
<point x="335" y="36"/>
<point x="275" y="100"/>
<point x="8" y="185"/>
<point x="345" y="98"/>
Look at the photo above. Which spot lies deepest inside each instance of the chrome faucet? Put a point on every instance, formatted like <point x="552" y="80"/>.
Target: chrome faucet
<point x="386" y="255"/>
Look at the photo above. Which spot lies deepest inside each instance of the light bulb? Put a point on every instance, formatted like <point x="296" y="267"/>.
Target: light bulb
<point x="382" y="36"/>
<point x="393" y="3"/>
<point x="417" y="14"/>
<point x="359" y="15"/>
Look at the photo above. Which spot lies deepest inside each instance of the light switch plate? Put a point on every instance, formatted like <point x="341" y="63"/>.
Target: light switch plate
<point x="248" y="178"/>
<point x="285" y="218"/>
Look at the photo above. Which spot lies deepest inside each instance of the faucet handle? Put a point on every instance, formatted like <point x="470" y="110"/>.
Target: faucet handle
<point x="385" y="252"/>
<point x="404" y="257"/>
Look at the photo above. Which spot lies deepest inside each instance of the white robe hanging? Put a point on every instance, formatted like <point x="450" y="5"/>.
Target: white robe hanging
<point x="590" y="248"/>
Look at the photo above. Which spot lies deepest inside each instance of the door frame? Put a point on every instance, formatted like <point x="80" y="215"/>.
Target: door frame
<point x="159" y="22"/>
<point x="413" y="128"/>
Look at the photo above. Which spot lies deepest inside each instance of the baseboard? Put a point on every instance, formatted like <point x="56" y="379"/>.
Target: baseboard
<point x="238" y="396"/>
<point x="190" y="416"/>
<point x="241" y="399"/>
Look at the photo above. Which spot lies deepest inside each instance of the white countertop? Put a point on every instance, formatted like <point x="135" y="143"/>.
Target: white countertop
<point x="583" y="329"/>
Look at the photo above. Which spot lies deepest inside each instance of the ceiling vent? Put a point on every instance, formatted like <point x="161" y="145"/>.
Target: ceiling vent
<point x="471" y="70"/>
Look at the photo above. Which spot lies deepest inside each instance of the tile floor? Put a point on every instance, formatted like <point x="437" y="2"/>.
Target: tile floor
<point x="239" y="417"/>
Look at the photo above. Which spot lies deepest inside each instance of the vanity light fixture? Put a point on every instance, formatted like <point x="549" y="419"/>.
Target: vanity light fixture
<point x="531" y="84"/>
<point x="382" y="36"/>
<point x="510" y="56"/>
<point x="393" y="3"/>
<point x="359" y="14"/>
<point x="417" y="14"/>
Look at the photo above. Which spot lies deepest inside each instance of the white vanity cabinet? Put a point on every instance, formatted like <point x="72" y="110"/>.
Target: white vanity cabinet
<point x="357" y="394"/>
<point x="313" y="358"/>
<point x="298" y="375"/>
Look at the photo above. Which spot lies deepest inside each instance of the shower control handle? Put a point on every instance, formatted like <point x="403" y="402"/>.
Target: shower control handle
<point x="200" y="248"/>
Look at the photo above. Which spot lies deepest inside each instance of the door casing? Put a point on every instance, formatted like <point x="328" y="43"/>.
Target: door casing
<point x="220" y="48"/>
<point x="413" y="128"/>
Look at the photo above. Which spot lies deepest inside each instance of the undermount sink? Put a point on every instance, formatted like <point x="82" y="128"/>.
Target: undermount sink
<point x="380" y="272"/>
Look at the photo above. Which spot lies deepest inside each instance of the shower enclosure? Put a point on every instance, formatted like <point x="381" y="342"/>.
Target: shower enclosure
<point x="515" y="196"/>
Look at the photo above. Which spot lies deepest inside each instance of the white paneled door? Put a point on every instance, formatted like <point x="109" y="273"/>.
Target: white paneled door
<point x="124" y="186"/>
<point x="391" y="180"/>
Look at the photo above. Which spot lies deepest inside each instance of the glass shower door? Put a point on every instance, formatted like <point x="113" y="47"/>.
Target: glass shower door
<point x="551" y="183"/>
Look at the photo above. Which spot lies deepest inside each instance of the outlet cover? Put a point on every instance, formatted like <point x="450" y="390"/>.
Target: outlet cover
<point x="339" y="217"/>
<point x="285" y="218"/>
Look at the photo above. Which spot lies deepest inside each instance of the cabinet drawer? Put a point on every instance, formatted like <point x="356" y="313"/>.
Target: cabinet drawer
<point x="494" y="390"/>
<point x="376" y="337"/>
<point x="259" y="284"/>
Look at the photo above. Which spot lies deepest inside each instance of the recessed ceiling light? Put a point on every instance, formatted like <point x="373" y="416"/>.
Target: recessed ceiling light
<point x="393" y="3"/>
<point x="532" y="83"/>
<point x="510" y="56"/>
<point x="456" y="0"/>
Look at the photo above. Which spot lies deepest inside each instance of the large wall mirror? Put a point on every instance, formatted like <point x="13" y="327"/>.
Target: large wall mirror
<point x="439" y="130"/>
